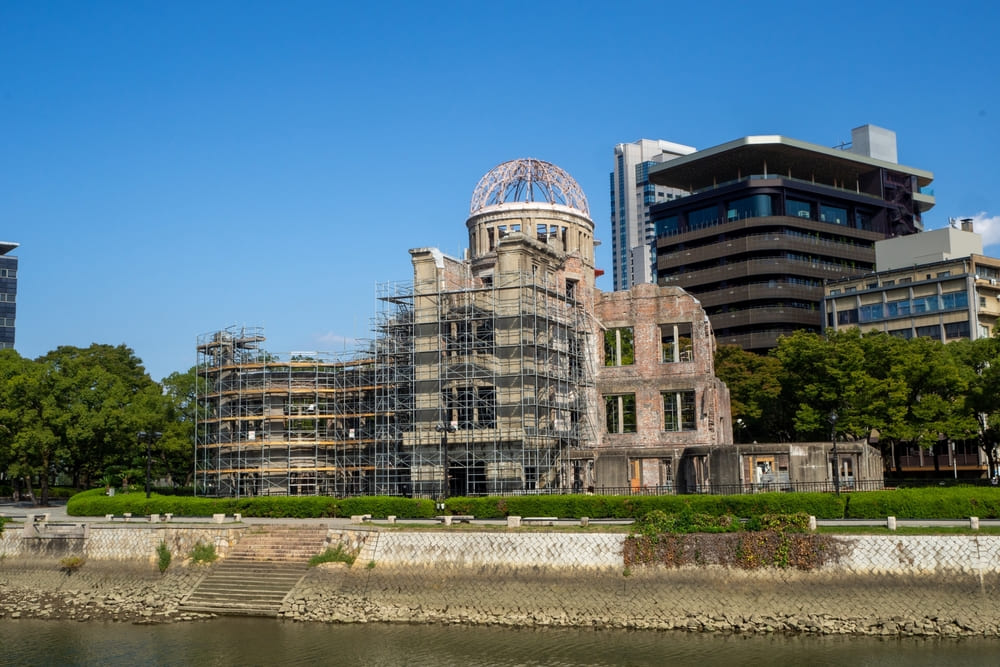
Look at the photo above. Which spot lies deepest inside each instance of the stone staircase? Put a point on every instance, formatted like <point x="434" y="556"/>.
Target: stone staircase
<point x="259" y="572"/>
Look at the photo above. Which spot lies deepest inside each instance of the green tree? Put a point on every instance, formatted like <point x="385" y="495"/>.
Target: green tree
<point x="28" y="407"/>
<point x="102" y="397"/>
<point x="176" y="449"/>
<point x="755" y="393"/>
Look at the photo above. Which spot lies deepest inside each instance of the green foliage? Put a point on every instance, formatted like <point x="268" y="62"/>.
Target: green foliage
<point x="336" y="554"/>
<point x="163" y="557"/>
<point x="658" y="522"/>
<point x="203" y="553"/>
<point x="3" y="520"/>
<point x="794" y="523"/>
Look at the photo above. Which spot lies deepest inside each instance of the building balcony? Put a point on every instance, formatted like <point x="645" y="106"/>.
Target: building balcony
<point x="767" y="315"/>
<point x="812" y="244"/>
<point x="754" y="269"/>
<point x="770" y="290"/>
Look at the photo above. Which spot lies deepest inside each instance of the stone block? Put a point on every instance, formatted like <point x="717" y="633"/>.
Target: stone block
<point x="238" y="518"/>
<point x="974" y="523"/>
<point x="890" y="522"/>
<point x="812" y="523"/>
<point x="168" y="516"/>
<point x="584" y="521"/>
<point x="154" y="518"/>
<point x="218" y="518"/>
<point x="513" y="522"/>
<point x="391" y="518"/>
<point x="127" y="515"/>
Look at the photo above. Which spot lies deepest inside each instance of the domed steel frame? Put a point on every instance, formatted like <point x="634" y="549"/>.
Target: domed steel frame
<point x="528" y="180"/>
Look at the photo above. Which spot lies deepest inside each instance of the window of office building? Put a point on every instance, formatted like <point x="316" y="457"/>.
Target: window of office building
<point x="932" y="331"/>
<point x="954" y="330"/>
<point x="675" y="341"/>
<point x="798" y="209"/>
<point x="906" y="333"/>
<point x="620" y="413"/>
<point x="848" y="316"/>
<point x="703" y="217"/>
<point x="678" y="411"/>
<point x="954" y="300"/>
<point x="870" y="313"/>
<point x="619" y="347"/>
<point x="862" y="220"/>
<point x="667" y="226"/>
<point x="837" y="216"/>
<point x="756" y="206"/>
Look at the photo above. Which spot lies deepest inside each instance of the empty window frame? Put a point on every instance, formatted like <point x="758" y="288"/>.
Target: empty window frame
<point x="619" y="347"/>
<point x="620" y="413"/>
<point x="676" y="343"/>
<point x="679" y="411"/>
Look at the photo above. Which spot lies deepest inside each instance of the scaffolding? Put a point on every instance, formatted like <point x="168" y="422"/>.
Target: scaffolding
<point x="464" y="391"/>
<point x="267" y="426"/>
<point x="483" y="386"/>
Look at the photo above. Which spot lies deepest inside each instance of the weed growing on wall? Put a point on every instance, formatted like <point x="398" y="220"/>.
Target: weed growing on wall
<point x="769" y="540"/>
<point x="163" y="557"/>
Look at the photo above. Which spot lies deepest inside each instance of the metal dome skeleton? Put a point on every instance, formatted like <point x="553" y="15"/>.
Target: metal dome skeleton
<point x="528" y="180"/>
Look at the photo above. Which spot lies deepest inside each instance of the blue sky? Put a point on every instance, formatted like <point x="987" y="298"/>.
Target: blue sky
<point x="173" y="168"/>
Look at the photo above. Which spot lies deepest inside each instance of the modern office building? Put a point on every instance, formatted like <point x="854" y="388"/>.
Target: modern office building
<point x="632" y="233"/>
<point x="936" y="284"/>
<point x="8" y="293"/>
<point x="766" y="220"/>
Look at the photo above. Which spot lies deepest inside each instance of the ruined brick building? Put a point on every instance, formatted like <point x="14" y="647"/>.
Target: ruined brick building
<point x="503" y="371"/>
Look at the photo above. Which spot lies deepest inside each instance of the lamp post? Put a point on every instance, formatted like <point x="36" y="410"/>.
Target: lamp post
<point x="149" y="437"/>
<point x="444" y="429"/>
<point x="836" y="459"/>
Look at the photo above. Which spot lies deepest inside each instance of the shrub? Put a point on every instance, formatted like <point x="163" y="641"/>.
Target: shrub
<point x="71" y="564"/>
<point x="163" y="557"/>
<point x="203" y="553"/>
<point x="333" y="555"/>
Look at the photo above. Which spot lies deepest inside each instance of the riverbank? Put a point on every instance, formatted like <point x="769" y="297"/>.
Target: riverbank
<point x="924" y="586"/>
<point x="686" y="599"/>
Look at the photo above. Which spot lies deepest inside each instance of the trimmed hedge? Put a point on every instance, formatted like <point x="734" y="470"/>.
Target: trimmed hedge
<point x="96" y="503"/>
<point x="928" y="503"/>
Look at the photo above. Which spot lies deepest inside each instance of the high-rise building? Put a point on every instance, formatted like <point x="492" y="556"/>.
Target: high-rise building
<point x="8" y="293"/>
<point x="766" y="220"/>
<point x="632" y="233"/>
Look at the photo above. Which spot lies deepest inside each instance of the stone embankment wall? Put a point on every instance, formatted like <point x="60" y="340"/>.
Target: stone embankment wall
<point x="883" y="585"/>
<point x="114" y="542"/>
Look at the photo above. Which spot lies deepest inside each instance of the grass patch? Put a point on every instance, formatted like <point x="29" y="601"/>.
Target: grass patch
<point x="333" y="555"/>
<point x="203" y="553"/>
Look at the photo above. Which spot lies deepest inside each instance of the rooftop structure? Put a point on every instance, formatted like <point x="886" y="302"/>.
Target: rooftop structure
<point x="767" y="219"/>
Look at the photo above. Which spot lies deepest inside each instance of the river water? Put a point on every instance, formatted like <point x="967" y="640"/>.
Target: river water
<point x="251" y="641"/>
